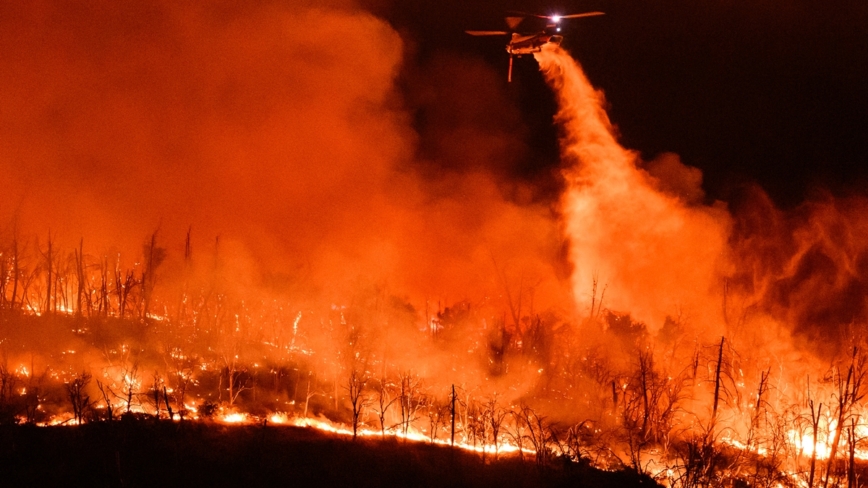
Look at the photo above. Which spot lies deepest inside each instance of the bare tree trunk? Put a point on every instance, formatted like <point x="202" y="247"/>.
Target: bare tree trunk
<point x="168" y="407"/>
<point x="103" y="307"/>
<point x="4" y="281"/>
<point x="384" y="402"/>
<point x="230" y="378"/>
<point x="79" y="400"/>
<point x="49" y="261"/>
<point x="453" y="416"/>
<point x="16" y="271"/>
<point x="107" y="393"/>
<point x="815" y="424"/>
<point x="181" y="309"/>
<point x="717" y="382"/>
<point x="845" y="402"/>
<point x="851" y="466"/>
<point x="307" y="397"/>
<point x="646" y="365"/>
<point x="157" y="395"/>
<point x="356" y="390"/>
<point x="79" y="265"/>
<point x="153" y="257"/>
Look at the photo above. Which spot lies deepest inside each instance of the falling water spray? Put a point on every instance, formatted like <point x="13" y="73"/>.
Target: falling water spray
<point x="656" y="254"/>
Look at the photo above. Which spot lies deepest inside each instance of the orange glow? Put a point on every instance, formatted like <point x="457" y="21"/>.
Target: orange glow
<point x="245" y="230"/>
<point x="235" y="418"/>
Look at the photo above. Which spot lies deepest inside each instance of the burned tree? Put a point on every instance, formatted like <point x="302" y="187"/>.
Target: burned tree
<point x="81" y="297"/>
<point x="358" y="400"/>
<point x="849" y="393"/>
<point x="131" y="384"/>
<point x="496" y="417"/>
<point x="385" y="399"/>
<point x="516" y="430"/>
<point x="49" y="277"/>
<point x="537" y="432"/>
<point x="410" y="400"/>
<point x="310" y="393"/>
<point x="78" y="398"/>
<point x="154" y="256"/>
<point x="158" y="389"/>
<point x="435" y="412"/>
<point x="9" y="406"/>
<point x="10" y="273"/>
<point x="180" y="368"/>
<point x="107" y="396"/>
<point x="232" y="336"/>
<point x="125" y="283"/>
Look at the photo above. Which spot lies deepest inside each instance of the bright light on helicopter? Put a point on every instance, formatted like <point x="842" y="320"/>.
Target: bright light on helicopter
<point x="556" y="18"/>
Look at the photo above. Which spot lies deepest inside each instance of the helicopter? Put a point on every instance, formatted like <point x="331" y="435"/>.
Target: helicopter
<point x="529" y="43"/>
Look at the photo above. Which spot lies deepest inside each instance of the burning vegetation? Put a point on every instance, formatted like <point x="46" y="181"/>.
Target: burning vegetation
<point x="632" y="326"/>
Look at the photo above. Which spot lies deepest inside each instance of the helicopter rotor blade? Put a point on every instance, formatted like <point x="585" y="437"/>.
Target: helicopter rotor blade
<point x="486" y="33"/>
<point x="578" y="16"/>
<point x="560" y="17"/>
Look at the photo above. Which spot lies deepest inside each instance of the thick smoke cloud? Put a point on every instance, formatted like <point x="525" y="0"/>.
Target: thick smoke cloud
<point x="276" y="127"/>
<point x="195" y="115"/>
<point x="280" y="129"/>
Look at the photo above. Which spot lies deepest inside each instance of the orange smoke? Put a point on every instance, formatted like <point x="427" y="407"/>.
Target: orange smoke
<point x="280" y="130"/>
<point x="277" y="128"/>
<point x="657" y="255"/>
<point x="805" y="268"/>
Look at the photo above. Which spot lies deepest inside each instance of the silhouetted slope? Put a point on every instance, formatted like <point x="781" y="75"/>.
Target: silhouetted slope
<point x="133" y="453"/>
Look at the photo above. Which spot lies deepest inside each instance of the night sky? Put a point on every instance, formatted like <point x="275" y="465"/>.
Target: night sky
<point x="771" y="92"/>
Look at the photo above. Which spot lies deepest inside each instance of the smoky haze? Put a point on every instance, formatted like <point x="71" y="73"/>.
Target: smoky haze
<point x="281" y="130"/>
<point x="277" y="128"/>
<point x="351" y="215"/>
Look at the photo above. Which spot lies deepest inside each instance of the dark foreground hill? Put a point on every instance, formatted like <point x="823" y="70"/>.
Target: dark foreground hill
<point x="145" y="453"/>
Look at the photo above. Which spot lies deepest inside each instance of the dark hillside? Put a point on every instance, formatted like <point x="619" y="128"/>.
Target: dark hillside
<point x="139" y="453"/>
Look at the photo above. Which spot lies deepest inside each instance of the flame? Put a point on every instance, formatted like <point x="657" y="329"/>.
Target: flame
<point x="279" y="418"/>
<point x="235" y="418"/>
<point x="805" y="443"/>
<point x="503" y="447"/>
